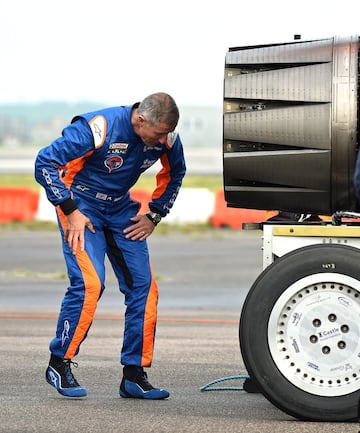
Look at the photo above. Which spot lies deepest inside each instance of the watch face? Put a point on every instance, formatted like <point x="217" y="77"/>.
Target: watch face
<point x="154" y="217"/>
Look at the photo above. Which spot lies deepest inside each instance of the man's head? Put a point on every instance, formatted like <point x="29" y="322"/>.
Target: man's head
<point x="155" y="117"/>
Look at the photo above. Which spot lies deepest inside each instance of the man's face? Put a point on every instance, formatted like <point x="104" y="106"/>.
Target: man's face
<point x="152" y="135"/>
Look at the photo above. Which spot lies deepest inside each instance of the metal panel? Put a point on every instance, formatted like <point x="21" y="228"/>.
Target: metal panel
<point x="272" y="198"/>
<point x="285" y="168"/>
<point x="291" y="125"/>
<point x="344" y="121"/>
<point x="305" y="126"/>
<point x="310" y="83"/>
<point x="300" y="52"/>
<point x="277" y="243"/>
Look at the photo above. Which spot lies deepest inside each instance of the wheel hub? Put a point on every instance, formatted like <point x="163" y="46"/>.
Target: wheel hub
<point x="314" y="334"/>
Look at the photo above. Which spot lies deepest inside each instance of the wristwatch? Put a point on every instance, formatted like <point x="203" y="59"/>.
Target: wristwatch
<point x="154" y="217"/>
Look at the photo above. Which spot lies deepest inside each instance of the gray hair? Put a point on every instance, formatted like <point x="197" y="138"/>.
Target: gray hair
<point x="159" y="107"/>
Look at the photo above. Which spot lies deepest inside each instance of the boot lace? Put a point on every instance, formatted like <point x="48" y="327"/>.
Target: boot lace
<point x="68" y="373"/>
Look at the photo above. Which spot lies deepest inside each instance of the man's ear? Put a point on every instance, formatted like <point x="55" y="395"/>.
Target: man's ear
<point x="141" y="119"/>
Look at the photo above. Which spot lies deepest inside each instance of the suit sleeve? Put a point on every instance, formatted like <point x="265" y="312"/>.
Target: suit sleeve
<point x="169" y="179"/>
<point x="75" y="142"/>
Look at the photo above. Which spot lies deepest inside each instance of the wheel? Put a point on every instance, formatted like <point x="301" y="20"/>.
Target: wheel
<point x="300" y="332"/>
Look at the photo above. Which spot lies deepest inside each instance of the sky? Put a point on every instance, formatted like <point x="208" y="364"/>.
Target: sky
<point x="118" y="52"/>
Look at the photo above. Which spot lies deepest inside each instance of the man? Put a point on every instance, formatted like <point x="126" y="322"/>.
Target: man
<point x="87" y="174"/>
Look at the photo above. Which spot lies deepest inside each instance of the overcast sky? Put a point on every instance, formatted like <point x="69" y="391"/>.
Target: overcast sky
<point x="117" y="52"/>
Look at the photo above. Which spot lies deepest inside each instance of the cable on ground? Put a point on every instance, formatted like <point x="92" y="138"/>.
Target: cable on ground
<point x="209" y="386"/>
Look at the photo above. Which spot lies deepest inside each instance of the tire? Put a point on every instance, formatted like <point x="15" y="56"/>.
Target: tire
<point x="300" y="332"/>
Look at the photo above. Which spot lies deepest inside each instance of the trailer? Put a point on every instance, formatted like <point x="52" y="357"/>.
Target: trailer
<point x="290" y="144"/>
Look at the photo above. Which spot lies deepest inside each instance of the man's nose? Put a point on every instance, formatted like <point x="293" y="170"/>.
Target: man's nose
<point x="163" y="139"/>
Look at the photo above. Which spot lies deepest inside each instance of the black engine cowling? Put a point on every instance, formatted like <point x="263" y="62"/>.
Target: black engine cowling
<point x="290" y="126"/>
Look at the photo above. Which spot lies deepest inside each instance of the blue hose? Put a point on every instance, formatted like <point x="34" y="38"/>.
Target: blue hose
<point x="208" y="386"/>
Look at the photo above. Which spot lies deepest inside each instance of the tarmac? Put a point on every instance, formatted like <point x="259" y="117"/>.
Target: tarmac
<point x="203" y="279"/>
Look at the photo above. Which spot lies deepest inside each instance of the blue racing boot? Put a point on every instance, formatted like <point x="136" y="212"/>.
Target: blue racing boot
<point x="135" y="384"/>
<point x="59" y="375"/>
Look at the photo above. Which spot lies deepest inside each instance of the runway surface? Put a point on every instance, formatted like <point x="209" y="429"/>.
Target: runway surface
<point x="203" y="280"/>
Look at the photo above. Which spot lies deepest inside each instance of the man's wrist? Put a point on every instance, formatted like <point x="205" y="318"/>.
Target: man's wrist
<point x="154" y="217"/>
<point x="68" y="206"/>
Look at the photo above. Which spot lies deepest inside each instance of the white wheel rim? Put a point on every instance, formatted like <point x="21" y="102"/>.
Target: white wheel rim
<point x="314" y="334"/>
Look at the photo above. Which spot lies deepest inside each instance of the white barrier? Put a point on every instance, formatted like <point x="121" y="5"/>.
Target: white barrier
<point x="193" y="205"/>
<point x="46" y="211"/>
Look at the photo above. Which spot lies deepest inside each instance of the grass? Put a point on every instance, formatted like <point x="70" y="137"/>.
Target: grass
<point x="18" y="180"/>
<point x="213" y="183"/>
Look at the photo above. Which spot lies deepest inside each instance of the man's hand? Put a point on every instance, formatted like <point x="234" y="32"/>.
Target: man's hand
<point x="141" y="229"/>
<point x="75" y="230"/>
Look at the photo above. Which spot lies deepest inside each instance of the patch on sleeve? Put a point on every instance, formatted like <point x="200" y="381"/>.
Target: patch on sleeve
<point x="171" y="138"/>
<point x="98" y="128"/>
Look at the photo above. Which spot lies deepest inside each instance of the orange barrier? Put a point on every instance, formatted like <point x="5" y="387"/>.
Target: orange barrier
<point x="22" y="204"/>
<point x="234" y="218"/>
<point x="18" y="204"/>
<point x="143" y="196"/>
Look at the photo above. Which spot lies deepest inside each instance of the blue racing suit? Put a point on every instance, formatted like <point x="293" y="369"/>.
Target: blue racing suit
<point x="95" y="162"/>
